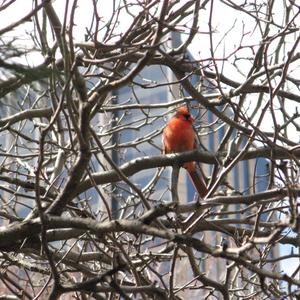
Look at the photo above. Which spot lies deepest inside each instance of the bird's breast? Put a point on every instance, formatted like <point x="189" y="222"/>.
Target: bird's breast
<point x="179" y="136"/>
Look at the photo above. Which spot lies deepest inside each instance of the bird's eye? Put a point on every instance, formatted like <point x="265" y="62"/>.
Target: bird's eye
<point x="187" y="116"/>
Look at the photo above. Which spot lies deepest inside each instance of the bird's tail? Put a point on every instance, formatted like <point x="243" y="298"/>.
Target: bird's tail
<point x="197" y="180"/>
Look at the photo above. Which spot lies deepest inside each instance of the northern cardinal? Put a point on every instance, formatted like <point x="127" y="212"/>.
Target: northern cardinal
<point x="179" y="136"/>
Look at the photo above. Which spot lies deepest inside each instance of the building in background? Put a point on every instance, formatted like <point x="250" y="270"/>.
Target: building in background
<point x="211" y="132"/>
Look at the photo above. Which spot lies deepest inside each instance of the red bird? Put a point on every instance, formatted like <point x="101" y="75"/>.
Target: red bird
<point x="179" y="136"/>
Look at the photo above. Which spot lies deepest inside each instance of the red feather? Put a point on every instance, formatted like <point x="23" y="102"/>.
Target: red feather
<point x="179" y="136"/>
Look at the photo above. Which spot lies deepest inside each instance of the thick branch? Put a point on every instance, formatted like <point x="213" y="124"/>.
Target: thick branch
<point x="144" y="163"/>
